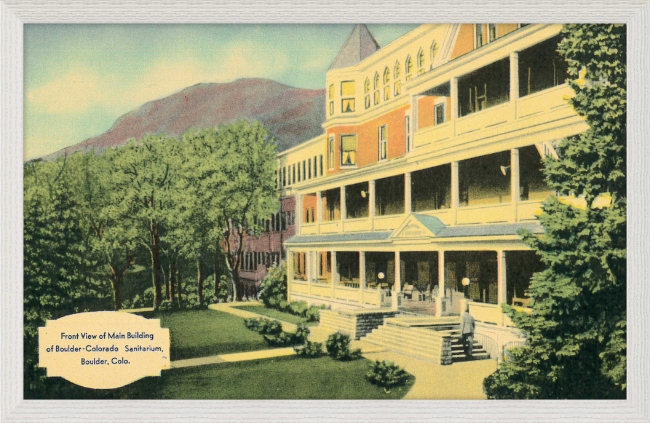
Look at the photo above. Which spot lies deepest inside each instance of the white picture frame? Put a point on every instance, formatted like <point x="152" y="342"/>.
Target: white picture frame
<point x="14" y="14"/>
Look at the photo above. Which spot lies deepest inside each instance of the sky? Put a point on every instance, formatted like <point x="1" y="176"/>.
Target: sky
<point x="80" y="78"/>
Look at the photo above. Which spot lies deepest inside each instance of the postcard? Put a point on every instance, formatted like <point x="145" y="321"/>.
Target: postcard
<point x="430" y="211"/>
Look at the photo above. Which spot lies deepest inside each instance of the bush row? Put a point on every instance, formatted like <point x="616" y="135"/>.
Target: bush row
<point x="271" y="331"/>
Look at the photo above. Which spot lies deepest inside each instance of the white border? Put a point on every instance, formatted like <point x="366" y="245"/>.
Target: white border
<point x="13" y="14"/>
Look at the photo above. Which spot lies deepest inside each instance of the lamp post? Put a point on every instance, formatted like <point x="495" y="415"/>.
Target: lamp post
<point x="465" y="283"/>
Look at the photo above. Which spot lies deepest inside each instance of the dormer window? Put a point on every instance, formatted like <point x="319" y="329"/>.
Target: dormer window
<point x="420" y="62"/>
<point x="366" y="92"/>
<point x="398" y="83"/>
<point x="433" y="52"/>
<point x="376" y="88"/>
<point x="408" y="67"/>
<point x="386" y="84"/>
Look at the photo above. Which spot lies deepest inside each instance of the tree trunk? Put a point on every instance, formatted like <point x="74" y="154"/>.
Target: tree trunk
<point x="166" y="282"/>
<point x="232" y="286"/>
<point x="238" y="285"/>
<point x="217" y="271"/>
<point x="116" y="282"/>
<point x="201" y="277"/>
<point x="179" y="284"/>
<point x="157" y="268"/>
<point x="172" y="279"/>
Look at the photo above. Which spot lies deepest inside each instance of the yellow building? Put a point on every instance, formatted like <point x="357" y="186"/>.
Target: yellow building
<point x="408" y="207"/>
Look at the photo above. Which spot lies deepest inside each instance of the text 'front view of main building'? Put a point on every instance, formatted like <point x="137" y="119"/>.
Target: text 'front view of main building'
<point x="407" y="209"/>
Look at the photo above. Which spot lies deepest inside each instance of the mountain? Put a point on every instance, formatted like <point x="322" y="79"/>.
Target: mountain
<point x="291" y="115"/>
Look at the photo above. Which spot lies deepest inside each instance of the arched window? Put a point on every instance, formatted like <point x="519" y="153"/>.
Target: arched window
<point x="433" y="51"/>
<point x="366" y="92"/>
<point x="376" y="88"/>
<point x="331" y="98"/>
<point x="386" y="84"/>
<point x="408" y="67"/>
<point x="420" y="62"/>
<point x="398" y="83"/>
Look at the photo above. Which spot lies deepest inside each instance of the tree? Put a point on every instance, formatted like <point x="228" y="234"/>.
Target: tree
<point x="576" y="332"/>
<point x="142" y="173"/>
<point x="246" y="189"/>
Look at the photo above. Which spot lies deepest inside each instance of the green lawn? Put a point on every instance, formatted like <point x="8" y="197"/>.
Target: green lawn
<point x="201" y="333"/>
<point x="280" y="378"/>
<point x="277" y="314"/>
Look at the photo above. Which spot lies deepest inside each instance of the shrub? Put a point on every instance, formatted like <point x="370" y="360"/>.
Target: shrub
<point x="386" y="374"/>
<point x="274" y="287"/>
<point x="299" y="308"/>
<point x="167" y="306"/>
<point x="302" y="334"/>
<point x="310" y="350"/>
<point x="338" y="347"/>
<point x="313" y="313"/>
<point x="263" y="326"/>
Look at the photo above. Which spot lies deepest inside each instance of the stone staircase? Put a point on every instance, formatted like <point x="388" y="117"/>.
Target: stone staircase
<point x="356" y="323"/>
<point x="436" y="340"/>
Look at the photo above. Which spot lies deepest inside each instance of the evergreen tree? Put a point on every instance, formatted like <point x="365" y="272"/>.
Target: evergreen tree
<point x="576" y="333"/>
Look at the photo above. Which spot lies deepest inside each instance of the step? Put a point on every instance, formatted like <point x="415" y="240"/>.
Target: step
<point x="406" y="339"/>
<point x="412" y="345"/>
<point x="420" y="334"/>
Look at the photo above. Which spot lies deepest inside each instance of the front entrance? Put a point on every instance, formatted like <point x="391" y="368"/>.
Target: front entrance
<point x="419" y="271"/>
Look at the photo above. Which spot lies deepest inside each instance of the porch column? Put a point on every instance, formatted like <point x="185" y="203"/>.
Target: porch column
<point x="453" y="85"/>
<point x="514" y="175"/>
<point x="441" y="274"/>
<point x="514" y="82"/>
<point x="335" y="274"/>
<point x="455" y="190"/>
<point x="362" y="274"/>
<point x="371" y="203"/>
<point x="397" y="287"/>
<point x="290" y="272"/>
<point x="407" y="193"/>
<point x="319" y="206"/>
<point x="309" y="269"/>
<point x="502" y="290"/>
<point x="298" y="208"/>
<point x="344" y="209"/>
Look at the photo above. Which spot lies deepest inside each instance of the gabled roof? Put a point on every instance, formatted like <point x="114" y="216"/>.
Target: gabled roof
<point x="359" y="45"/>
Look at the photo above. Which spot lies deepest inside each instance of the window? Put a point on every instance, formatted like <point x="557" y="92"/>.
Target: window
<point x="478" y="32"/>
<point x="321" y="164"/>
<point x="309" y="168"/>
<point x="347" y="105"/>
<point x="383" y="143"/>
<point x="386" y="84"/>
<point x="407" y="132"/>
<point x="331" y="152"/>
<point x="304" y="170"/>
<point x="433" y="52"/>
<point x="331" y="98"/>
<point x="294" y="173"/>
<point x="492" y="31"/>
<point x="348" y="150"/>
<point x="299" y="172"/>
<point x="439" y="113"/>
<point x="420" y="62"/>
<point x="347" y="90"/>
<point x="408" y="67"/>
<point x="284" y="176"/>
<point x="331" y="108"/>
<point x="315" y="167"/>
<point x="376" y="88"/>
<point x="366" y="92"/>
<point x="398" y="83"/>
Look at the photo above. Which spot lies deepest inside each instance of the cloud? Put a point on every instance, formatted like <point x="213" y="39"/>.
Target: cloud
<point x="75" y="91"/>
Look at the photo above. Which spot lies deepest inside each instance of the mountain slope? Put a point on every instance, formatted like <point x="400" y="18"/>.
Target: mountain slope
<point x="291" y="115"/>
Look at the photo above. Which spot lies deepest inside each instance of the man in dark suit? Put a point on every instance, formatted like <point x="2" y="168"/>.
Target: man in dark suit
<point x="467" y="332"/>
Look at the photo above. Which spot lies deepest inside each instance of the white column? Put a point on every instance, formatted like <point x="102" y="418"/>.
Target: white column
<point x="362" y="274"/>
<point x="309" y="264"/>
<point x="502" y="282"/>
<point x="407" y="193"/>
<point x="298" y="211"/>
<point x="397" y="287"/>
<point x="455" y="190"/>
<point x="371" y="203"/>
<point x="335" y="275"/>
<point x="344" y="210"/>
<point x="441" y="301"/>
<point x="290" y="272"/>
<point x="454" y="97"/>
<point x="514" y="175"/>
<point x="514" y="81"/>
<point x="319" y="206"/>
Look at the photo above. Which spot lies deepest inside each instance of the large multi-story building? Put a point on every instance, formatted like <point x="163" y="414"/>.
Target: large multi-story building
<point x="430" y="165"/>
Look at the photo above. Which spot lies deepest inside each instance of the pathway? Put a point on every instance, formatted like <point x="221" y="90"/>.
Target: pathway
<point x="229" y="358"/>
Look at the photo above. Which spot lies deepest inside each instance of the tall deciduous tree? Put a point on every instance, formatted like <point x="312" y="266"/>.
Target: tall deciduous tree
<point x="576" y="333"/>
<point x="143" y="173"/>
